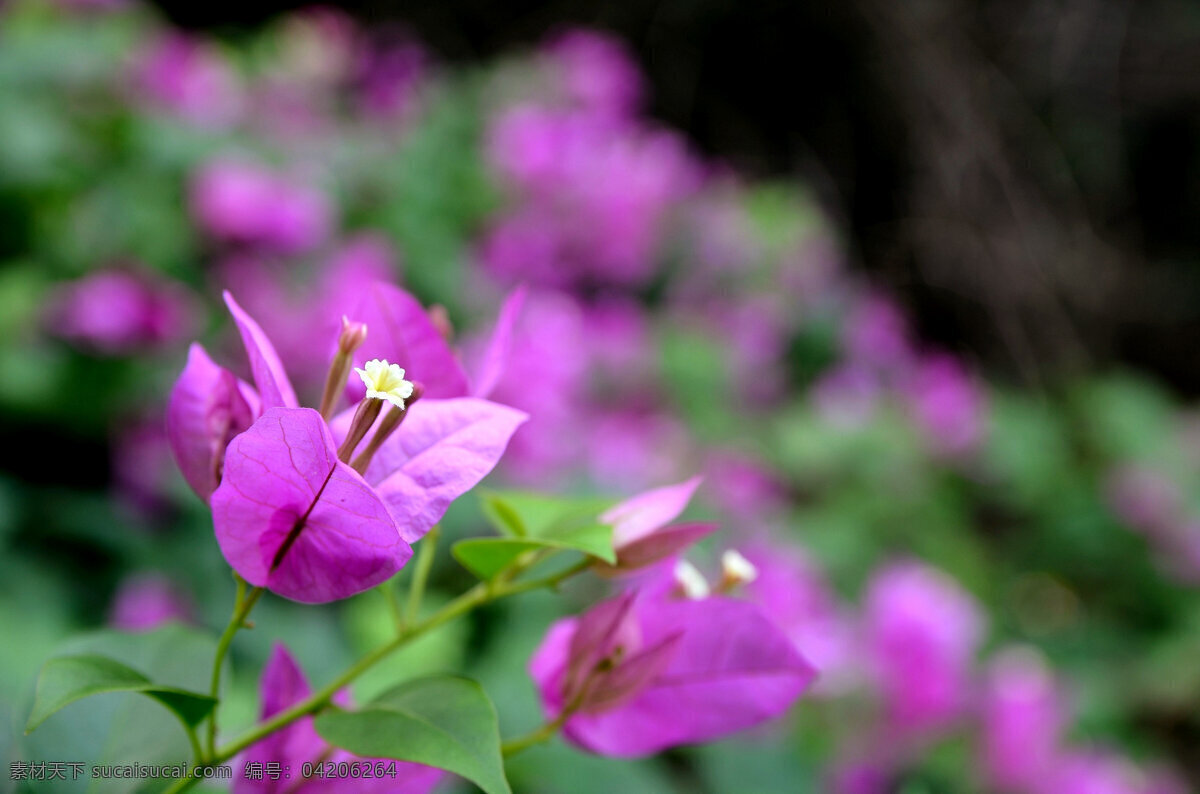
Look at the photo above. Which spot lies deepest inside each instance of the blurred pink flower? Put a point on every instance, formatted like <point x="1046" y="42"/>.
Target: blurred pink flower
<point x="592" y="196"/>
<point x="547" y="377"/>
<point x="1148" y="500"/>
<point x="118" y="311"/>
<point x="240" y="202"/>
<point x="742" y="487"/>
<point x="641" y="674"/>
<point x="1098" y="771"/>
<point x="629" y="449"/>
<point x="948" y="405"/>
<point x="597" y="71"/>
<point x="876" y="335"/>
<point x="305" y="318"/>
<point x="389" y="76"/>
<point x="847" y="395"/>
<point x="921" y="634"/>
<point x="146" y="601"/>
<point x="1024" y="715"/>
<point x="190" y="78"/>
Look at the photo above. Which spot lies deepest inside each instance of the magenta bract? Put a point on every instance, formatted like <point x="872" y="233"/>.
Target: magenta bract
<point x="274" y="388"/>
<point x="656" y="673"/>
<point x="922" y="630"/>
<point x="642" y="515"/>
<point x="291" y="517"/>
<point x="1023" y="715"/>
<point x="283" y="685"/>
<point x="207" y="408"/>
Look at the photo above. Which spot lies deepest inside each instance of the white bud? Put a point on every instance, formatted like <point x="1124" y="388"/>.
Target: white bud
<point x="689" y="582"/>
<point x="736" y="569"/>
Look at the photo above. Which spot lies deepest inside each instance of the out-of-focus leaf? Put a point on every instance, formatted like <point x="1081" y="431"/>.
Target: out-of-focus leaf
<point x="442" y="721"/>
<point x="66" y="679"/>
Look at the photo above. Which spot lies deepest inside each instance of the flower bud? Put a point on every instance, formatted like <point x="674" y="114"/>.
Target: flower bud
<point x="736" y="570"/>
<point x="689" y="582"/>
<point x="352" y="337"/>
<point x="391" y="420"/>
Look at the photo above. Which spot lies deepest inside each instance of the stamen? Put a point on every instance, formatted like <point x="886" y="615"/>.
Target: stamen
<point x="364" y="417"/>
<point x="351" y="338"/>
<point x="689" y="582"/>
<point x="391" y="420"/>
<point x="736" y="570"/>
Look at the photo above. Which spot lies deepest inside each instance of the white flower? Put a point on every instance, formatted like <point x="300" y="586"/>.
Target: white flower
<point x="690" y="582"/>
<point x="385" y="381"/>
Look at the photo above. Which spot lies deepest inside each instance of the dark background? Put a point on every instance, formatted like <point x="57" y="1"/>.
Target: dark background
<point x="1022" y="174"/>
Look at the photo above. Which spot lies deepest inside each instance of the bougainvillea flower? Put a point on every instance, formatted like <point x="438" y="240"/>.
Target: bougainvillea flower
<point x="640" y="532"/>
<point x="291" y="748"/>
<point x="876" y="335"/>
<point x="146" y="601"/>
<point x="117" y="311"/>
<point x="641" y="674"/>
<point x="597" y="71"/>
<point x="546" y="376"/>
<point x="190" y="78"/>
<point x="241" y="202"/>
<point x="1023" y="714"/>
<point x="922" y="630"/>
<point x="290" y="515"/>
<point x="629" y="449"/>
<point x="947" y="405"/>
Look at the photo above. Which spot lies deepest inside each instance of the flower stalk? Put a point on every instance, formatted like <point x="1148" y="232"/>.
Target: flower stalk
<point x="482" y="593"/>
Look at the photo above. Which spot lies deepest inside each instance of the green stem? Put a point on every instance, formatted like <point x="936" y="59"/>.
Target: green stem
<point x="514" y="746"/>
<point x="241" y="609"/>
<point x="425" y="556"/>
<point x="480" y="594"/>
<point x="194" y="740"/>
<point x="388" y="591"/>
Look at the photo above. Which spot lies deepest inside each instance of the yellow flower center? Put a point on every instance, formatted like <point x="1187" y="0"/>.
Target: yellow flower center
<point x="385" y="381"/>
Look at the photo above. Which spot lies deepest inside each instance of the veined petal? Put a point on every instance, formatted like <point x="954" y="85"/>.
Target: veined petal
<point x="269" y="375"/>
<point x="291" y="517"/>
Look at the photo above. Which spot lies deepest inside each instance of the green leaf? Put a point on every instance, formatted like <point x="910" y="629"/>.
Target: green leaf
<point x="531" y="522"/>
<point x="521" y="514"/>
<point x="442" y="721"/>
<point x="66" y="679"/>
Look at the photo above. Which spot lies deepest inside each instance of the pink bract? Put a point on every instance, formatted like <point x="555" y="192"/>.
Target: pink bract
<point x="291" y="517"/>
<point x="684" y="671"/>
